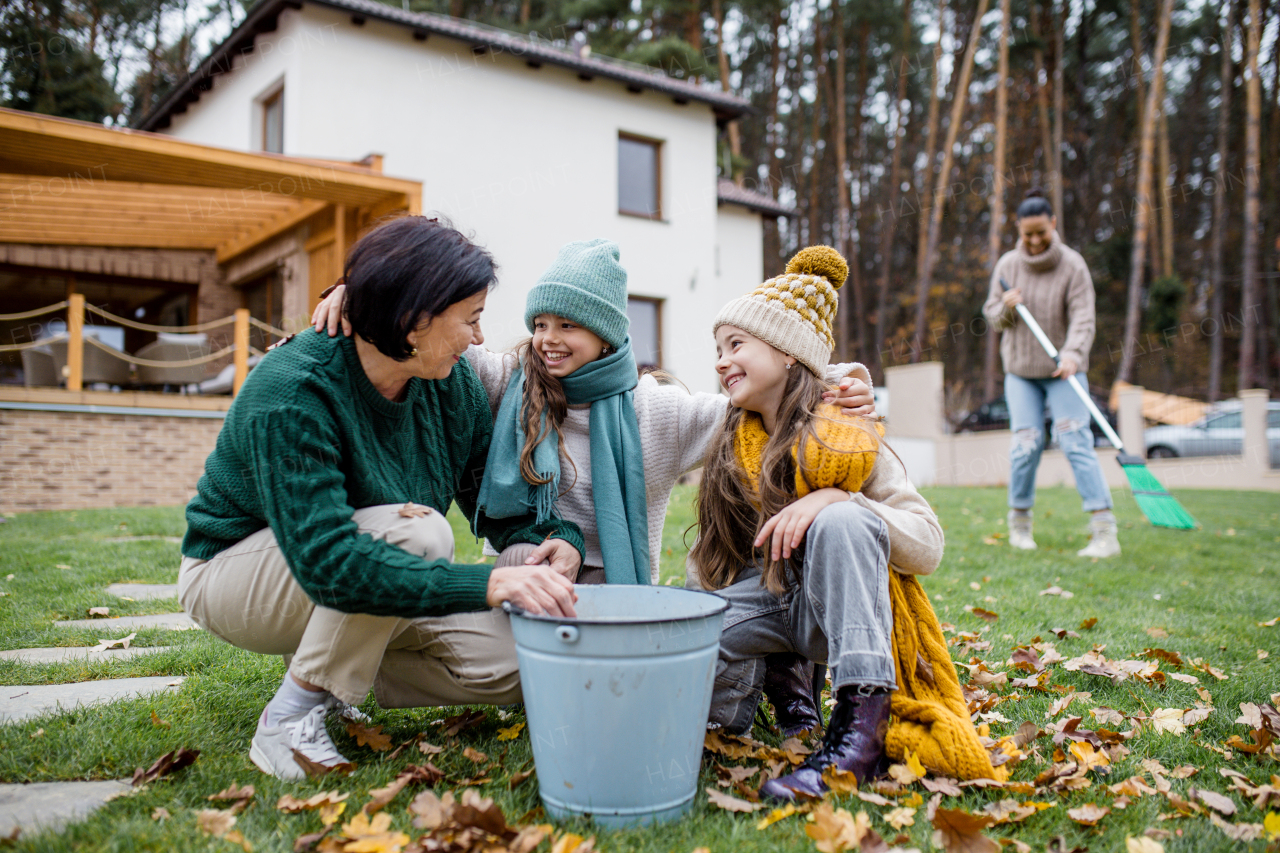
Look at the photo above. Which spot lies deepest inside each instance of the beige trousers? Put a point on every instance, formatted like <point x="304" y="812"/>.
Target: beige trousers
<point x="247" y="596"/>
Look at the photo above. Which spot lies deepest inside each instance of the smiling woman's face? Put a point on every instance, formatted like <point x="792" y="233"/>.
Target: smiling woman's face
<point x="1036" y="232"/>
<point x="443" y="339"/>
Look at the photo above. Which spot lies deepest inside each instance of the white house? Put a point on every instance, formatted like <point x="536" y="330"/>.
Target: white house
<point x="521" y="143"/>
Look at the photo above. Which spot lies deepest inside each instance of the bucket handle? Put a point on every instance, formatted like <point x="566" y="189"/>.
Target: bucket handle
<point x="567" y="634"/>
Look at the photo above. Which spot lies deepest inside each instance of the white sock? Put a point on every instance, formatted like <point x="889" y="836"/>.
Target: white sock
<point x="1102" y="519"/>
<point x="292" y="700"/>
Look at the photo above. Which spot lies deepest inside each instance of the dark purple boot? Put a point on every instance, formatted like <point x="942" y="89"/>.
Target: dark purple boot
<point x="788" y="685"/>
<point x="854" y="742"/>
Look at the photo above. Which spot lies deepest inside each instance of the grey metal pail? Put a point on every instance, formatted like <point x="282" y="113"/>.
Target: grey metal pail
<point x="617" y="700"/>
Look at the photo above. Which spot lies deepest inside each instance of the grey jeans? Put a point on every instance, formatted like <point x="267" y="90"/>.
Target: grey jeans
<point x="839" y="614"/>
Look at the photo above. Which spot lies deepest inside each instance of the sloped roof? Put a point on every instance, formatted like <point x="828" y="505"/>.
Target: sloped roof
<point x="263" y="17"/>
<point x="727" y="192"/>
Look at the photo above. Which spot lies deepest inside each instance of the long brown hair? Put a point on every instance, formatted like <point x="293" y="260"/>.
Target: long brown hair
<point x="543" y="393"/>
<point x="730" y="513"/>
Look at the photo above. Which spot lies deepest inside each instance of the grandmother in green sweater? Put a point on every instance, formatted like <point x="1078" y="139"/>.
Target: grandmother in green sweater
<point x="318" y="530"/>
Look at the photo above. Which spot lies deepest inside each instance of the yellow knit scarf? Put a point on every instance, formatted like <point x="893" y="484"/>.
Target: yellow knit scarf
<point x="930" y="717"/>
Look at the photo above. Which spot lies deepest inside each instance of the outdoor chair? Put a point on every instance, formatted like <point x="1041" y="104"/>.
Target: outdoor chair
<point x="170" y="347"/>
<point x="39" y="368"/>
<point x="98" y="366"/>
<point x="222" y="383"/>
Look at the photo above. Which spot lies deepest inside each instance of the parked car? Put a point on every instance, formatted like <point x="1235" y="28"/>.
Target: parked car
<point x="994" y="414"/>
<point x="1219" y="433"/>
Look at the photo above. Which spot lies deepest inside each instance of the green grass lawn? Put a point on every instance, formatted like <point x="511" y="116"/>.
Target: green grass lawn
<point x="1200" y="594"/>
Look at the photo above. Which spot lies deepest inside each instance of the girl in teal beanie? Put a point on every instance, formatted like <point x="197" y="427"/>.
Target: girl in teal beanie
<point x="578" y="433"/>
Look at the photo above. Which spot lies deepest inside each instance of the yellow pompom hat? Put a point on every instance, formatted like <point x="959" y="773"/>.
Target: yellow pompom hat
<point x="793" y="313"/>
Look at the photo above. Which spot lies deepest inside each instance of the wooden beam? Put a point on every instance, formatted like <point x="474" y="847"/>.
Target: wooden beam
<point x="339" y="238"/>
<point x="75" y="341"/>
<point x="120" y="239"/>
<point x="268" y="229"/>
<point x="241" y="355"/>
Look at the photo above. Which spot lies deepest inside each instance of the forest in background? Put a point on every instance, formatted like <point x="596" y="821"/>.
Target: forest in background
<point x="905" y="133"/>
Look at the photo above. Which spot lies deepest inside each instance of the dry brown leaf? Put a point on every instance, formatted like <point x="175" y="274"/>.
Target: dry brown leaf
<point x="1168" y="720"/>
<point x="319" y="771"/>
<point x="721" y="800"/>
<point x="305" y="842"/>
<point x="835" y="830"/>
<point x="957" y="831"/>
<point x="105" y="643"/>
<point x="157" y="722"/>
<point x="1142" y="844"/>
<point x="160" y="813"/>
<point x="1134" y="786"/>
<point x="168" y="763"/>
<point x="1238" y="831"/>
<point x="432" y="811"/>
<point x="413" y="510"/>
<point x="474" y="755"/>
<point x="518" y="779"/>
<point x="215" y="822"/>
<point x="511" y="733"/>
<point x="984" y="614"/>
<point x="1157" y="633"/>
<point x="459" y="723"/>
<point x="370" y="737"/>
<point x="840" y="781"/>
<point x="1087" y="758"/>
<point x="427" y="774"/>
<point x="429" y="748"/>
<point x="1088" y="814"/>
<point x="1218" y="802"/>
<point x="900" y="817"/>
<point x="941" y="785"/>
<point x="1196" y="716"/>
<point x="874" y="799"/>
<point x="99" y="612"/>
<point x="292" y="805"/>
<point x="1088" y="623"/>
<point x="373" y="836"/>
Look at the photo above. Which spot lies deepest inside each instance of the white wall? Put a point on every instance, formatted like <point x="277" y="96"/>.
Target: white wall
<point x="523" y="159"/>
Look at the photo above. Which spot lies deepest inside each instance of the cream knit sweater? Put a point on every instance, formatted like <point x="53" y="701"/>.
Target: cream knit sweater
<point x="675" y="427"/>
<point x="1058" y="291"/>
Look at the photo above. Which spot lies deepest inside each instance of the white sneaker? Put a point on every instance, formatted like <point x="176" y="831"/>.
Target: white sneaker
<point x="1020" y="532"/>
<point x="1103" y="542"/>
<point x="349" y="713"/>
<point x="272" y="748"/>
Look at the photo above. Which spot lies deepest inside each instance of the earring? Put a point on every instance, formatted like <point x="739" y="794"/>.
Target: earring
<point x="413" y="353"/>
<point x="789" y="365"/>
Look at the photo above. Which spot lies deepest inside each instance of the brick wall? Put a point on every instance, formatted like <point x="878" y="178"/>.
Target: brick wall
<point x="72" y="460"/>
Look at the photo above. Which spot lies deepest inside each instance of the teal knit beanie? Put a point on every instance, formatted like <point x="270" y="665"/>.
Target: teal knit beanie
<point x="587" y="286"/>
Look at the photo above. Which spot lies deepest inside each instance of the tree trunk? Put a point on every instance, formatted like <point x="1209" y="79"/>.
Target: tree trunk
<point x="1142" y="211"/>
<point x="997" y="186"/>
<point x="1165" y="207"/>
<point x="889" y="227"/>
<point x="820" y="73"/>
<point x="722" y="59"/>
<point x="772" y="237"/>
<point x="1249" y="307"/>
<point x="841" y="241"/>
<point x="940" y="189"/>
<point x="861" y="340"/>
<point x="1042" y="100"/>
<point x="1219" y="206"/>
<point x="1060" y="25"/>
<point x="931" y="147"/>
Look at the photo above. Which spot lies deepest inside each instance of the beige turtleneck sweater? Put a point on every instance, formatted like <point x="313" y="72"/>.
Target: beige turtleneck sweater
<point x="1058" y="291"/>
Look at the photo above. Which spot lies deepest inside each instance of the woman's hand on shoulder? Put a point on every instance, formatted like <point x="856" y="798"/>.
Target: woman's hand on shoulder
<point x="328" y="313"/>
<point x="785" y="531"/>
<point x="854" y="396"/>
<point x="537" y="589"/>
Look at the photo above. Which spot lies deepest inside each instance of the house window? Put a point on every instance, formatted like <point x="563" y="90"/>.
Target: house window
<point x="273" y="123"/>
<point x="646" y="330"/>
<point x="639" y="176"/>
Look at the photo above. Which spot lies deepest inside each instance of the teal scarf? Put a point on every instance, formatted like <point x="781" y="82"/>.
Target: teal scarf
<point x="617" y="463"/>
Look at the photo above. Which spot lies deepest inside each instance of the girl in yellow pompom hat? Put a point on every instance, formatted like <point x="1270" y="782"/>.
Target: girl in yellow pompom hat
<point x="810" y="528"/>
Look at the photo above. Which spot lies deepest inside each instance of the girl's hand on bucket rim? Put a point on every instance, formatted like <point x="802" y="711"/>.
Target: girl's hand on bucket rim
<point x="328" y="313"/>
<point x="786" y="530"/>
<point x="537" y="589"/>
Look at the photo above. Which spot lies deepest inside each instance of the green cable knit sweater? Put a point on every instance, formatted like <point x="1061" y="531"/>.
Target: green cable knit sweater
<point x="309" y="440"/>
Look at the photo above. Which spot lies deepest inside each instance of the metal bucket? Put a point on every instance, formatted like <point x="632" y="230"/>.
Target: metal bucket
<point x="617" y="700"/>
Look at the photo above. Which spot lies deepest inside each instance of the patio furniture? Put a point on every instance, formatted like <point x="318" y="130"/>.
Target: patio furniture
<point x="99" y="366"/>
<point x="222" y="383"/>
<point x="39" y="368"/>
<point x="170" y="347"/>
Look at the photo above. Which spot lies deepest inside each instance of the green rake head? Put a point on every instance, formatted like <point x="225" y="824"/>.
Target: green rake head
<point x="1161" y="508"/>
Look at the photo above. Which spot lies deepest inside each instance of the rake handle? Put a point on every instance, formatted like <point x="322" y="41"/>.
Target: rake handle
<point x="1071" y="380"/>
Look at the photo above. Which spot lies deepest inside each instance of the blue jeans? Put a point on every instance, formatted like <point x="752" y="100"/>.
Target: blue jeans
<point x="839" y="614"/>
<point x="1026" y="399"/>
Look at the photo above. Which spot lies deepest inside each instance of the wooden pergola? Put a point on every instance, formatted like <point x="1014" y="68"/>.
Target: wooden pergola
<point x="74" y="184"/>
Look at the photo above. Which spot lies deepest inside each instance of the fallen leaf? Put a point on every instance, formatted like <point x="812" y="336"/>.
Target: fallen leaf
<point x="518" y="779"/>
<point x="168" y="763"/>
<point x="306" y="842"/>
<point x="1263" y="654"/>
<point x="1142" y="844"/>
<point x="900" y="817"/>
<point x="459" y="723"/>
<point x="429" y="749"/>
<point x="1185" y="679"/>
<point x="1274" y="622"/>
<point x="319" y="771"/>
<point x="1218" y="802"/>
<point x="1087" y="758"/>
<point x="776" y="815"/>
<point x="719" y="799"/>
<point x="292" y="805"/>
<point x="941" y="785"/>
<point x="1134" y="786"/>
<point x="413" y="510"/>
<point x="373" y="836"/>
<point x="1237" y="831"/>
<point x="874" y="799"/>
<point x="427" y="774"/>
<point x="511" y="733"/>
<point x="835" y="830"/>
<point x="1271" y="825"/>
<point x="1088" y="623"/>
<point x="370" y="737"/>
<point x="98" y="612"/>
<point x="840" y="781"/>
<point x="215" y="822"/>
<point x="239" y="797"/>
<point x="474" y="755"/>
<point x="1057" y="590"/>
<point x="1196" y="716"/>
<point x="957" y="831"/>
<point x="331" y="812"/>
<point x="1157" y="633"/>
<point x="104" y="643"/>
<point x="1168" y="720"/>
<point x="1088" y="814"/>
<point x="37" y="733"/>
<point x="160" y="813"/>
<point x="985" y="615"/>
<point x="1250" y="715"/>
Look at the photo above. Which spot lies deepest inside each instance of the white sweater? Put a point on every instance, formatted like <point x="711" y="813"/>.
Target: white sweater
<point x="675" y="427"/>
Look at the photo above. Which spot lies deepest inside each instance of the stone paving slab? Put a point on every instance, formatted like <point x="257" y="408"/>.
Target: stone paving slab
<point x="143" y="591"/>
<point x="176" y="621"/>
<point x="51" y="805"/>
<point x="60" y="655"/>
<point x="20" y="701"/>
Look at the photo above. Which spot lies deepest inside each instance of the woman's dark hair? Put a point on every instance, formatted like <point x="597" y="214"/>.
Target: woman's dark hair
<point x="1034" y="204"/>
<point x="408" y="270"/>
